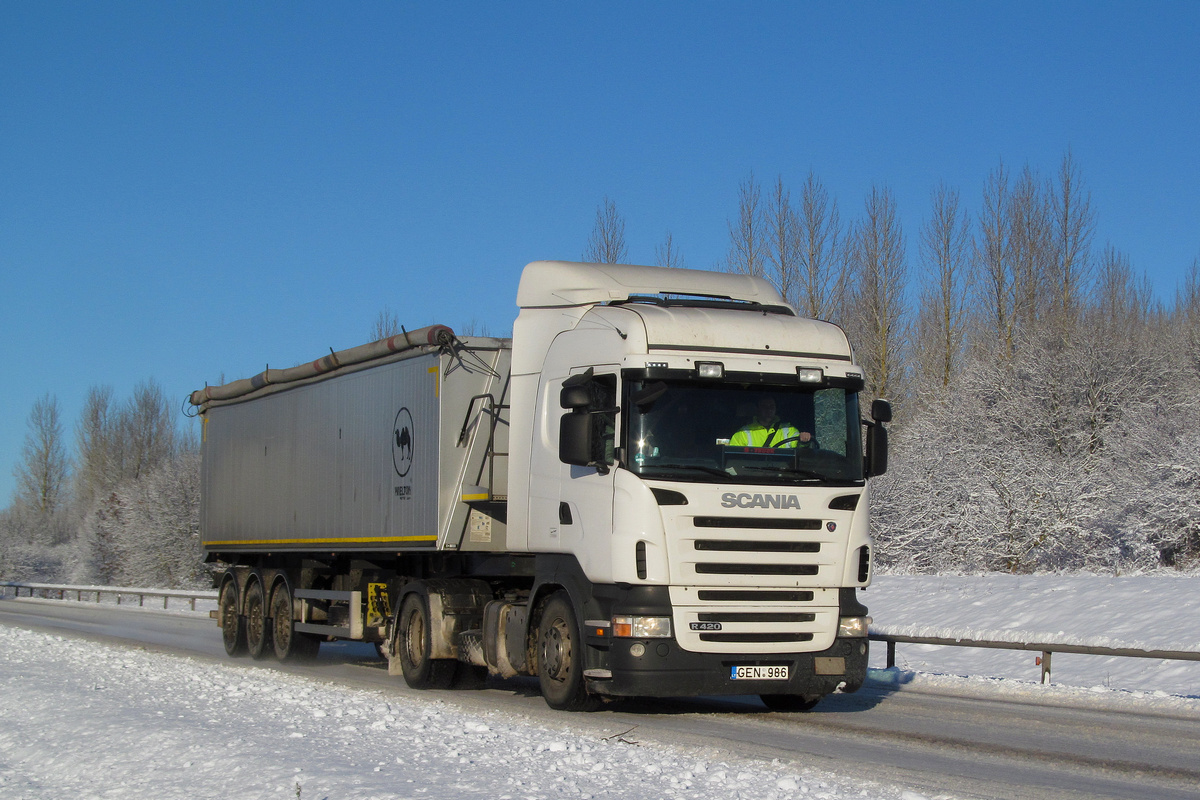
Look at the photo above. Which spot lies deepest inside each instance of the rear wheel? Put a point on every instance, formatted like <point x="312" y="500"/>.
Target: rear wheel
<point x="790" y="702"/>
<point x="289" y="644"/>
<point x="258" y="634"/>
<point x="233" y="631"/>
<point x="560" y="657"/>
<point x="413" y="643"/>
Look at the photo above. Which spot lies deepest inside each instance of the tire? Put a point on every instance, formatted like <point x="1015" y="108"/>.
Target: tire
<point x="258" y="629"/>
<point x="790" y="702"/>
<point x="413" y="644"/>
<point x="233" y="629"/>
<point x="560" y="657"/>
<point x="288" y="643"/>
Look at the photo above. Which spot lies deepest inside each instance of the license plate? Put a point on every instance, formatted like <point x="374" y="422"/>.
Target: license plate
<point x="758" y="673"/>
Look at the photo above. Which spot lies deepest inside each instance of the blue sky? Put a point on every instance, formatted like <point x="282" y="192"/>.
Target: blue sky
<point x="191" y="190"/>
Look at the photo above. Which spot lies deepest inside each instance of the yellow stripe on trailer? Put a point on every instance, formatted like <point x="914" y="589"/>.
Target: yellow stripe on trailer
<point x="368" y="540"/>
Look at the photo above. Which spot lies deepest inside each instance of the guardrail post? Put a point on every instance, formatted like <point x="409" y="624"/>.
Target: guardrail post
<point x="891" y="654"/>
<point x="1045" y="662"/>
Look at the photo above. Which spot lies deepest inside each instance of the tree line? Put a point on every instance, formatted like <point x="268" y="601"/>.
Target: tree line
<point x="1047" y="405"/>
<point x="116" y="504"/>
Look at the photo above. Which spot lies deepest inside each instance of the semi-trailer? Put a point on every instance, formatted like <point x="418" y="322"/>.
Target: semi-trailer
<point x="657" y="487"/>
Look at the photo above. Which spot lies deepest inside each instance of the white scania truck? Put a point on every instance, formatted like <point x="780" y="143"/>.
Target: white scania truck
<point x="571" y="503"/>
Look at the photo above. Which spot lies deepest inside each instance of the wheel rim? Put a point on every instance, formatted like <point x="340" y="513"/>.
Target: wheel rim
<point x="281" y="611"/>
<point x="255" y="621"/>
<point x="414" y="638"/>
<point x="556" y="651"/>
<point x="229" y="629"/>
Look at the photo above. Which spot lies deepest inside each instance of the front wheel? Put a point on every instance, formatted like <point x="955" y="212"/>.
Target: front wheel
<point x="413" y="643"/>
<point x="560" y="657"/>
<point x="790" y="702"/>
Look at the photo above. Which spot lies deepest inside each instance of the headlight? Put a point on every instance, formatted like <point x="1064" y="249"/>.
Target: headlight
<point x="643" y="627"/>
<point x="851" y="627"/>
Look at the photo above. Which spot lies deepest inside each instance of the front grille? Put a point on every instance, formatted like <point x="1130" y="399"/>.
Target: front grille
<point x="753" y="596"/>
<point x="739" y="616"/>
<point x="759" y="523"/>
<point x="757" y="547"/>
<point x="756" y="637"/>
<point x="756" y="569"/>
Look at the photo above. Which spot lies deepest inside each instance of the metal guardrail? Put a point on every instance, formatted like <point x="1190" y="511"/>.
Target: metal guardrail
<point x="50" y="590"/>
<point x="1047" y="649"/>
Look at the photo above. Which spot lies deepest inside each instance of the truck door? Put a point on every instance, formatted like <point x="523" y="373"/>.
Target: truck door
<point x="585" y="510"/>
<point x="570" y="506"/>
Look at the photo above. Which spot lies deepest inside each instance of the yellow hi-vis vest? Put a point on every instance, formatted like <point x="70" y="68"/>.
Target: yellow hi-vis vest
<point x="758" y="435"/>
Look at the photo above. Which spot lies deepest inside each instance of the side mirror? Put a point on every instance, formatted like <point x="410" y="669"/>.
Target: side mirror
<point x="575" y="438"/>
<point x="881" y="411"/>
<point x="574" y="398"/>
<point x="877" y="450"/>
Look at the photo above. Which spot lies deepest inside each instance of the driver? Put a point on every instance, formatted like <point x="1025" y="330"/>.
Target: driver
<point x="767" y="430"/>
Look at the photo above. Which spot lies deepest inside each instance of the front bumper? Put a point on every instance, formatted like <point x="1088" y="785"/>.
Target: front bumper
<point x="667" y="670"/>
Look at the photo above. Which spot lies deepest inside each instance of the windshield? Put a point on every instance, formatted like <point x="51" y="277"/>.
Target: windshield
<point x="734" y="433"/>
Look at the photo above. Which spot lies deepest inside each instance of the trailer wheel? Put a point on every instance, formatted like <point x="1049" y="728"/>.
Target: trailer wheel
<point x="790" y="702"/>
<point x="560" y="657"/>
<point x="289" y="644"/>
<point x="233" y="632"/>
<point x="258" y="633"/>
<point x="413" y="644"/>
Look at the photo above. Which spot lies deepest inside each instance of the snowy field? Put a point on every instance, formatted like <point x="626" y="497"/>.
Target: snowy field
<point x="89" y="720"/>
<point x="1160" y="612"/>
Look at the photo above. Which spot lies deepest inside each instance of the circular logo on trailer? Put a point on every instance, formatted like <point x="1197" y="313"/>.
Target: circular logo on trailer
<point x="402" y="442"/>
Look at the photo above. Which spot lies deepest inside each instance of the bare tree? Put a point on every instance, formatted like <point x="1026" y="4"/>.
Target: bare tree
<point x="747" y="247"/>
<point x="44" y="468"/>
<point x="822" y="272"/>
<point x="606" y="244"/>
<point x="783" y="240"/>
<point x="1031" y="249"/>
<point x="880" y="278"/>
<point x="144" y="433"/>
<point x="386" y="325"/>
<point x="667" y="254"/>
<point x="93" y="447"/>
<point x="945" y="305"/>
<point x="1186" y="316"/>
<point x="994" y="253"/>
<point x="1072" y="226"/>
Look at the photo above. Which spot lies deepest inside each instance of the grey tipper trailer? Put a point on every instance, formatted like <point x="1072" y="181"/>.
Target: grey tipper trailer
<point x="368" y="458"/>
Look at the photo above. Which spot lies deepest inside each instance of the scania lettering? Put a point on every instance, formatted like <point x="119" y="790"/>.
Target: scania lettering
<point x="563" y="504"/>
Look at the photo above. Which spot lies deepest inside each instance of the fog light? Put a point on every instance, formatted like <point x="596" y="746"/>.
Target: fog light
<point x="642" y="627"/>
<point x="853" y="627"/>
<point x="637" y="650"/>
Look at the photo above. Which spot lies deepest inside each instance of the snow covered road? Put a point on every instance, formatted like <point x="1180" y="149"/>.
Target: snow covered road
<point x="168" y="726"/>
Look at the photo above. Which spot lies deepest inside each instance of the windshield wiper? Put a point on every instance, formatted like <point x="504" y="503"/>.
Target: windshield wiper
<point x="709" y="470"/>
<point x="806" y="473"/>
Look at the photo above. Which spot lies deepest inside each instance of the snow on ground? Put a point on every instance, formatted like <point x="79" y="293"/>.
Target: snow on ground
<point x="1160" y="612"/>
<point x="86" y="720"/>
